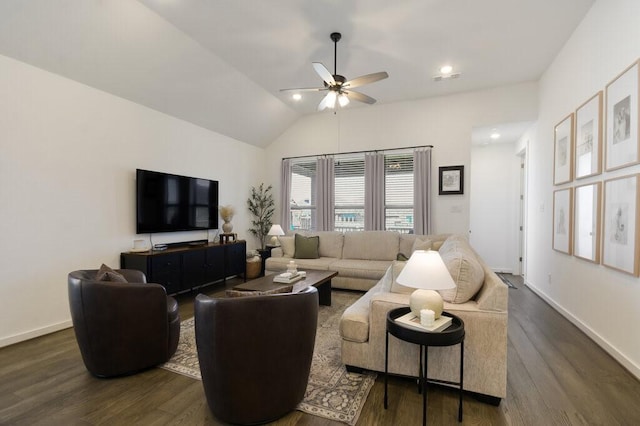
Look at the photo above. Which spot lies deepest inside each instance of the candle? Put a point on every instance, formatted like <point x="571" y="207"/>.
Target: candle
<point x="427" y="317"/>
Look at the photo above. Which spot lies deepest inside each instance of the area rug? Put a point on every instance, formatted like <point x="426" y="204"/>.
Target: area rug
<point x="332" y="392"/>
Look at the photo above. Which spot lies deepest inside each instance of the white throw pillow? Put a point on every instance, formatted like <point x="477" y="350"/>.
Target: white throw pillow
<point x="288" y="245"/>
<point x="420" y="244"/>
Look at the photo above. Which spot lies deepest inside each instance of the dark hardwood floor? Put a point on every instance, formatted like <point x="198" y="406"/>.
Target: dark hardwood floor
<point x="556" y="376"/>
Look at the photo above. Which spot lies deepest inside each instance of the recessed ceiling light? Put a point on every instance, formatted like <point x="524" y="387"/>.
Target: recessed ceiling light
<point x="446" y="69"/>
<point x="296" y="96"/>
<point x="495" y="135"/>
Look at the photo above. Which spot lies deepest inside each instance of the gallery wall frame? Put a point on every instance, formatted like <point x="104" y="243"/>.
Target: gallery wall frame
<point x="621" y="123"/>
<point x="588" y="141"/>
<point x="587" y="203"/>
<point x="563" y="151"/>
<point x="451" y="180"/>
<point x="563" y="220"/>
<point x="620" y="233"/>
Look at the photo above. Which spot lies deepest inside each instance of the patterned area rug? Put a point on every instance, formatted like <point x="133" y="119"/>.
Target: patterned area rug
<point x="332" y="392"/>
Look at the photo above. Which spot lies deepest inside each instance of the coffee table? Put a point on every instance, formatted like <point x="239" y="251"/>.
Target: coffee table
<point x="319" y="279"/>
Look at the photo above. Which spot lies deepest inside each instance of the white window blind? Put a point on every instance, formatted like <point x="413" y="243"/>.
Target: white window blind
<point x="398" y="178"/>
<point x="349" y="192"/>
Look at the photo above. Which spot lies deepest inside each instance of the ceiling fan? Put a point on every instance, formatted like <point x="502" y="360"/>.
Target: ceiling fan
<point x="338" y="88"/>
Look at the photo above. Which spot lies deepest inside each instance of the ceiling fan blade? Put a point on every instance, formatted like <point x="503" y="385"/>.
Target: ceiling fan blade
<point x="366" y="79"/>
<point x="361" y="97"/>
<point x="324" y="73"/>
<point x="305" y="89"/>
<point x="329" y="101"/>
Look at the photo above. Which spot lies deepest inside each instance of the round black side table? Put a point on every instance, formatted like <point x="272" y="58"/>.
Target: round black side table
<point x="452" y="335"/>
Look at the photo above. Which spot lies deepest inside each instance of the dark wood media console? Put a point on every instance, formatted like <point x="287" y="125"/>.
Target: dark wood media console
<point x="183" y="268"/>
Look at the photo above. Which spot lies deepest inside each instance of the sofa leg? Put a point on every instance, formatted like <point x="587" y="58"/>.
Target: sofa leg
<point x="352" y="369"/>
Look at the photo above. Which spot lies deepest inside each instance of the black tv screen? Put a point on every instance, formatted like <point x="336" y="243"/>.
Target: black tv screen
<point x="170" y="203"/>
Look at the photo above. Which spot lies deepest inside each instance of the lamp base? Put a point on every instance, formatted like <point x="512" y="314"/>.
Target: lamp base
<point x="275" y="241"/>
<point x="426" y="299"/>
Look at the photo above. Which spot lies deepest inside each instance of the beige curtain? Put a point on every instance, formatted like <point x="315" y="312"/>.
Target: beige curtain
<point x="374" y="192"/>
<point x="325" y="194"/>
<point x="422" y="191"/>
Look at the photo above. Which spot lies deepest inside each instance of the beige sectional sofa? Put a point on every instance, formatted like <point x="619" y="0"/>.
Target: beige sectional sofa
<point x="363" y="326"/>
<point x="359" y="258"/>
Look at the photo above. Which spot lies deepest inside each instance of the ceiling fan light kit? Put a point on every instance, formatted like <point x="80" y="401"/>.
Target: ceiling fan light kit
<point x="338" y="88"/>
<point x="441" y="77"/>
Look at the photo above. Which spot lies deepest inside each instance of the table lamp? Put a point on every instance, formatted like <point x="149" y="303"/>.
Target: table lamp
<point x="426" y="271"/>
<point x="276" y="231"/>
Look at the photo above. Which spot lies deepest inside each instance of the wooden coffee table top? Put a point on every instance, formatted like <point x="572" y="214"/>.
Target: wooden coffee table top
<point x="313" y="278"/>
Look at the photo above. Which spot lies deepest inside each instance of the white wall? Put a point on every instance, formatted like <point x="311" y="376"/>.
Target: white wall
<point x="494" y="192"/>
<point x="601" y="301"/>
<point x="68" y="155"/>
<point x="445" y="122"/>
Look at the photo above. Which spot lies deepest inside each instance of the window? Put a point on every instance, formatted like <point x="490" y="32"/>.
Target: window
<point x="349" y="193"/>
<point x="302" y="197"/>
<point x="398" y="192"/>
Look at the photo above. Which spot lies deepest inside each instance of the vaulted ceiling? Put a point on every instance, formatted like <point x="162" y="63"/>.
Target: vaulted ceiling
<point x="220" y="65"/>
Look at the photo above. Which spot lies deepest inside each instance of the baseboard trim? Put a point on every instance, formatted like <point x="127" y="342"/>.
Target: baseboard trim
<point x="32" y="334"/>
<point x="599" y="340"/>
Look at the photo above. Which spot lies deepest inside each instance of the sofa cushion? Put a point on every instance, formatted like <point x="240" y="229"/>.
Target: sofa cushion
<point x="464" y="268"/>
<point x="371" y="245"/>
<point x="330" y="243"/>
<point x="105" y="273"/>
<point x="357" y="268"/>
<point x="306" y="247"/>
<point x="288" y="245"/>
<point x="280" y="263"/>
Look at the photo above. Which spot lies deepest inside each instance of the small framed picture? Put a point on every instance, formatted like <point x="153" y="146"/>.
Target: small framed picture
<point x="562" y="220"/>
<point x="563" y="151"/>
<point x="621" y="133"/>
<point x="588" y="152"/>
<point x="620" y="245"/>
<point x="586" y="221"/>
<point x="451" y="180"/>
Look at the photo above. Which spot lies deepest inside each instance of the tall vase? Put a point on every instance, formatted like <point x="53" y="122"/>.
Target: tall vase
<point x="227" y="227"/>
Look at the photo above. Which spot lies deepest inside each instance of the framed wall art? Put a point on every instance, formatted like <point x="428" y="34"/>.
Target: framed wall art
<point x="563" y="151"/>
<point x="588" y="150"/>
<point x="451" y="180"/>
<point x="586" y="221"/>
<point x="620" y="236"/>
<point x="621" y="131"/>
<point x="562" y="220"/>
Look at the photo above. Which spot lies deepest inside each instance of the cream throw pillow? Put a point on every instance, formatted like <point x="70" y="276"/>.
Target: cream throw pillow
<point x="397" y="267"/>
<point x="466" y="272"/>
<point x="420" y="244"/>
<point x="288" y="245"/>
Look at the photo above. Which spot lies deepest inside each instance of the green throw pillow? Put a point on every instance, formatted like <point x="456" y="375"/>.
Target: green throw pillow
<point x="306" y="247"/>
<point x="402" y="257"/>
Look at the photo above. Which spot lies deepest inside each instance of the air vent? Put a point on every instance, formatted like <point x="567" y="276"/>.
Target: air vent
<point x="446" y="77"/>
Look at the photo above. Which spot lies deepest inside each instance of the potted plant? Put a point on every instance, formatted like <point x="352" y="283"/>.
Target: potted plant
<point x="261" y="206"/>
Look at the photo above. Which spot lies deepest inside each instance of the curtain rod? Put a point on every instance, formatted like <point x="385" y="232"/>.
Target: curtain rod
<point x="357" y="152"/>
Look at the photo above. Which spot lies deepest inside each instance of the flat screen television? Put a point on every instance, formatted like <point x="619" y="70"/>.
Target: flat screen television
<point x="171" y="203"/>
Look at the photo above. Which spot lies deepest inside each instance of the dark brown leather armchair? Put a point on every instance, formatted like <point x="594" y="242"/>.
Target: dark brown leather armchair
<point x="255" y="353"/>
<point x="122" y="328"/>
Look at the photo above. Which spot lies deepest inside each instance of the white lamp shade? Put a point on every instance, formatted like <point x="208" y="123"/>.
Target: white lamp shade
<point x="425" y="269"/>
<point x="275" y="230"/>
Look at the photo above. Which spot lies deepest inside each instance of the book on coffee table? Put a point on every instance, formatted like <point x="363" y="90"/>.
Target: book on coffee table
<point x="287" y="278"/>
<point x="414" y="321"/>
